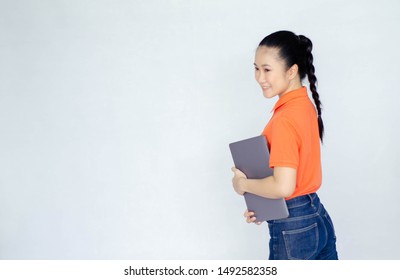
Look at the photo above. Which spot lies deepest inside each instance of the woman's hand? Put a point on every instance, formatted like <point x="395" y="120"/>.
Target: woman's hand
<point x="238" y="181"/>
<point x="250" y="218"/>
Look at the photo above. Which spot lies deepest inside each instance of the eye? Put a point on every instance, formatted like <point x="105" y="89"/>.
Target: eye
<point x="266" y="70"/>
<point x="256" y="68"/>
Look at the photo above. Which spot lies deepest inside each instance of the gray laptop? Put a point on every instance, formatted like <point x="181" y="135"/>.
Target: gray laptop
<point x="251" y="156"/>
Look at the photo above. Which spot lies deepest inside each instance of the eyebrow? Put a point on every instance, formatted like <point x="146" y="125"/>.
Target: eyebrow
<point x="263" y="65"/>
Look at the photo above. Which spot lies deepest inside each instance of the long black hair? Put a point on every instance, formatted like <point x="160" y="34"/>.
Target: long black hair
<point x="295" y="49"/>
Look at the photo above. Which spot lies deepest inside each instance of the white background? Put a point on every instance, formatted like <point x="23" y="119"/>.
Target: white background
<point x="115" y="120"/>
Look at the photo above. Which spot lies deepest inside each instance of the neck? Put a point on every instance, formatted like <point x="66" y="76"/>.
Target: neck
<point x="293" y="85"/>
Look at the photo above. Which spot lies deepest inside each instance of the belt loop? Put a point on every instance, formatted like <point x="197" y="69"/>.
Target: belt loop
<point x="311" y="199"/>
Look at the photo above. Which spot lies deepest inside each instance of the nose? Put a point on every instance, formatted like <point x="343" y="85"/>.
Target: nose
<point x="260" y="78"/>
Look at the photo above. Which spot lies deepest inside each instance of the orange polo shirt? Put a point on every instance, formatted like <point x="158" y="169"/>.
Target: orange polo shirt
<point x="293" y="140"/>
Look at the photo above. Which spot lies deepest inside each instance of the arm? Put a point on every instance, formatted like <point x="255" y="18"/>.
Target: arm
<point x="281" y="184"/>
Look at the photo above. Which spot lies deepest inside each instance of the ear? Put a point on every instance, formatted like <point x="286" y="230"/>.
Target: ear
<point x="292" y="72"/>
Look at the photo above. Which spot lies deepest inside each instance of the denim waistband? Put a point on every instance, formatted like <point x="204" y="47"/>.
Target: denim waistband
<point x="303" y="200"/>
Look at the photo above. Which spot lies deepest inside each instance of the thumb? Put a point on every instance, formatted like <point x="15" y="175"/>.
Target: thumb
<point x="233" y="169"/>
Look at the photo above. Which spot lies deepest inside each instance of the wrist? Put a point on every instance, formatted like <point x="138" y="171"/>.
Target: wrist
<point x="243" y="184"/>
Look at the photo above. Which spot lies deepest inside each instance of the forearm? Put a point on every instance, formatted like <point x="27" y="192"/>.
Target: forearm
<point x="267" y="187"/>
<point x="281" y="184"/>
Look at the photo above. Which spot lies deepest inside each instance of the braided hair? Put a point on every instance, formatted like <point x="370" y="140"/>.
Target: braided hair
<point x="295" y="49"/>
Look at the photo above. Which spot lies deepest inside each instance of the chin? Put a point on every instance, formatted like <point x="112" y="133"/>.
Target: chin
<point x="268" y="95"/>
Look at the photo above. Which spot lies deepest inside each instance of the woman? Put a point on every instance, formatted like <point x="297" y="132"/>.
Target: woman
<point x="294" y="132"/>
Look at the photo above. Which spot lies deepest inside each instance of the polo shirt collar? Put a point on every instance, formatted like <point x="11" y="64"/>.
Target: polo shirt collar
<point x="301" y="92"/>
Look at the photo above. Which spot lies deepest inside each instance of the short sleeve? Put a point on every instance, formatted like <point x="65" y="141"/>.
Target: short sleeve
<point x="284" y="144"/>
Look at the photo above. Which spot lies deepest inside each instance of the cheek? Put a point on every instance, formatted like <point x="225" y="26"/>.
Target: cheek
<point x="279" y="79"/>
<point x="270" y="77"/>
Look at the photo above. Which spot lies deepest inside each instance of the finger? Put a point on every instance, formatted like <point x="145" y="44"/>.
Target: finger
<point x="248" y="214"/>
<point x="238" y="172"/>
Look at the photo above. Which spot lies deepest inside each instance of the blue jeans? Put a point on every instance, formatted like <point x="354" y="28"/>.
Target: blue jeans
<point x="307" y="233"/>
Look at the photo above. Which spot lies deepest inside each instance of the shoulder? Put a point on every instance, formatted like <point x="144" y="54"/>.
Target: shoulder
<point x="285" y="118"/>
<point x="298" y="114"/>
<point x="284" y="126"/>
